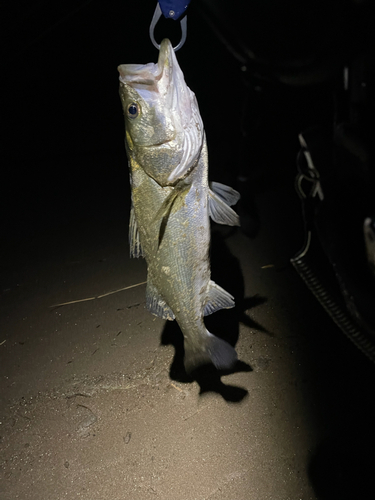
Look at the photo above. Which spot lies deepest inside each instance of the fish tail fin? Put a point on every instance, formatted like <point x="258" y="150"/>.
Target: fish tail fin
<point x="213" y="350"/>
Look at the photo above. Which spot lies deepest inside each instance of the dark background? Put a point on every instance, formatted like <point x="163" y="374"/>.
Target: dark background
<point x="62" y="126"/>
<point x="63" y="158"/>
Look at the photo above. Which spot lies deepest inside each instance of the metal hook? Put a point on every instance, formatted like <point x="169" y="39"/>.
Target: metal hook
<point x="154" y="21"/>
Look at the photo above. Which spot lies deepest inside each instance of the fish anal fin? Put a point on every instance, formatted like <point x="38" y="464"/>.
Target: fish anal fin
<point x="134" y="240"/>
<point x="220" y="212"/>
<point x="156" y="304"/>
<point x="218" y="298"/>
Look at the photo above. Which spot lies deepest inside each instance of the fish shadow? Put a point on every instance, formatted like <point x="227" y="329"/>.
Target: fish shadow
<point x="226" y="272"/>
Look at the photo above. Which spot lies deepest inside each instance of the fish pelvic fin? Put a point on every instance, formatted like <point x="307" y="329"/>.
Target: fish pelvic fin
<point x="156" y="305"/>
<point x="218" y="298"/>
<point x="214" y="350"/>
<point x="134" y="240"/>
<point x="219" y="200"/>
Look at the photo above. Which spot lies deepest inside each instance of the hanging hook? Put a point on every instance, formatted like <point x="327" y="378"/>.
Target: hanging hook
<point x="171" y="14"/>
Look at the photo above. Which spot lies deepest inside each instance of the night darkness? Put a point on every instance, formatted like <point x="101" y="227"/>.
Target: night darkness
<point x="62" y="140"/>
<point x="296" y="416"/>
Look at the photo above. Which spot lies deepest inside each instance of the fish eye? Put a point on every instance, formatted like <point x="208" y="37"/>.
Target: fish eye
<point x="133" y="110"/>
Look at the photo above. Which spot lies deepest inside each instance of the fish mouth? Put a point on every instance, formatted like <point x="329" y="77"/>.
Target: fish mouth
<point x="166" y="57"/>
<point x="149" y="76"/>
<point x="164" y="79"/>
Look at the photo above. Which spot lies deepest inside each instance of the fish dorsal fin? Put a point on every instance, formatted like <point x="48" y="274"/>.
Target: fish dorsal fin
<point x="218" y="298"/>
<point x="134" y="241"/>
<point x="229" y="195"/>
<point x="156" y="304"/>
<point x="219" y="199"/>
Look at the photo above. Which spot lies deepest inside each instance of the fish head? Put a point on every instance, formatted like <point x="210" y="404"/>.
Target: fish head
<point x="164" y="129"/>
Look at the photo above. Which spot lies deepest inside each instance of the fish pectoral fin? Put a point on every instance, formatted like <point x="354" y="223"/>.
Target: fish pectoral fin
<point x="220" y="211"/>
<point x="229" y="195"/>
<point x="134" y="241"/>
<point x="212" y="350"/>
<point x="156" y="304"/>
<point x="162" y="215"/>
<point x="218" y="298"/>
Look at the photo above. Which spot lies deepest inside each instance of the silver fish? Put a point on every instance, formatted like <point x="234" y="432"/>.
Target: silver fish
<point x="172" y="202"/>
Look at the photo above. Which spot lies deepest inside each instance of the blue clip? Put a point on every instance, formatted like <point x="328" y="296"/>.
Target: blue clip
<point x="171" y="9"/>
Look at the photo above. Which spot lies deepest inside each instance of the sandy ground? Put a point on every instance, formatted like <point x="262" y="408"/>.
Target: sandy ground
<point x="95" y="403"/>
<point x="94" y="400"/>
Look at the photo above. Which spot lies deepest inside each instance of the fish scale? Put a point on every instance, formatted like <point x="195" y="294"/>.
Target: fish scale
<point x="172" y="203"/>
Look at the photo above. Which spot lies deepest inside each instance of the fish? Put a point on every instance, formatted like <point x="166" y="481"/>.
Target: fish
<point x="172" y="202"/>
